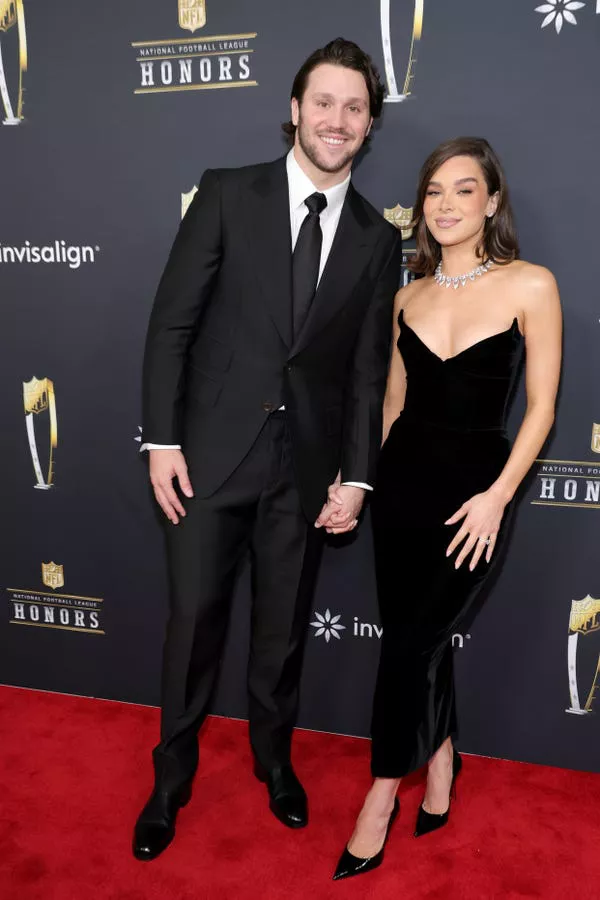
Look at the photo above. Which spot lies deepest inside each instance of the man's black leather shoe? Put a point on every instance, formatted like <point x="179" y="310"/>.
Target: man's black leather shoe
<point x="155" y="828"/>
<point x="287" y="798"/>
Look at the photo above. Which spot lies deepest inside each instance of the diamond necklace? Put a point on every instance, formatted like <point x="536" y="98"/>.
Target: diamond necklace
<point x="460" y="280"/>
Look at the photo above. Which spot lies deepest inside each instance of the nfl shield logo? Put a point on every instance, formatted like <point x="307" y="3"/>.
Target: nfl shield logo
<point x="53" y="575"/>
<point x="585" y="615"/>
<point x="400" y="217"/>
<point x="35" y="395"/>
<point x="8" y="15"/>
<point x="192" y="14"/>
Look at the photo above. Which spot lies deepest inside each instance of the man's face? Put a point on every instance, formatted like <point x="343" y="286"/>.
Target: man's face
<point x="333" y="118"/>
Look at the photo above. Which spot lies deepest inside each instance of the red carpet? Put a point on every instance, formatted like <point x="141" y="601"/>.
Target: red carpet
<point x="75" y="772"/>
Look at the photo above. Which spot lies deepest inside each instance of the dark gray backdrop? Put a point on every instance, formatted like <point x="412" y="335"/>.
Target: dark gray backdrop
<point x="95" y="164"/>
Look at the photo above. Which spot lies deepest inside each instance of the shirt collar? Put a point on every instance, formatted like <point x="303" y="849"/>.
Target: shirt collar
<point x="301" y="187"/>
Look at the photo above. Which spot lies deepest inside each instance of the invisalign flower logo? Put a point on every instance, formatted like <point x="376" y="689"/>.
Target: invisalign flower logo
<point x="559" y="11"/>
<point x="327" y="625"/>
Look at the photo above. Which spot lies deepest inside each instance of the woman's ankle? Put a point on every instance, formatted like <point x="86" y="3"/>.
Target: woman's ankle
<point x="383" y="792"/>
<point x="442" y="756"/>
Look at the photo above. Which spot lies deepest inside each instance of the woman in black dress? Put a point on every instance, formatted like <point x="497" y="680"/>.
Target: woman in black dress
<point x="447" y="473"/>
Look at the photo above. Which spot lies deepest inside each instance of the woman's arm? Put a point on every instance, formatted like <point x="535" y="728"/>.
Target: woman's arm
<point x="542" y="327"/>
<point x="395" y="391"/>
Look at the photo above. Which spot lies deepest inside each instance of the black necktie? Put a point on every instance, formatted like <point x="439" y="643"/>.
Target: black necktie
<point x="306" y="260"/>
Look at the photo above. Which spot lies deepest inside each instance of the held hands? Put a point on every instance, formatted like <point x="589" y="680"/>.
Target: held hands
<point x="482" y="515"/>
<point x="340" y="513"/>
<point x="165" y="465"/>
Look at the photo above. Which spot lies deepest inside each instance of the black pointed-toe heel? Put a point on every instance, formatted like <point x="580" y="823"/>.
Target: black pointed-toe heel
<point x="350" y="865"/>
<point x="427" y="822"/>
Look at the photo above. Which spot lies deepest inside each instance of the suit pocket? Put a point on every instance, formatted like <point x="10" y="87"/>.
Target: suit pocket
<point x="201" y="389"/>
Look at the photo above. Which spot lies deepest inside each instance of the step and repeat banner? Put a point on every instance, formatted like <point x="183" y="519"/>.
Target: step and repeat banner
<point x="109" y="115"/>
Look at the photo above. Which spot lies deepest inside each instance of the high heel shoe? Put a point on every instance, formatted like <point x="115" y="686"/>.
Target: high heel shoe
<point x="427" y="822"/>
<point x="350" y="865"/>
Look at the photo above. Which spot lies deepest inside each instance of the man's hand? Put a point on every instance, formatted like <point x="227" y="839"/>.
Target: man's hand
<point x="165" y="465"/>
<point x="340" y="513"/>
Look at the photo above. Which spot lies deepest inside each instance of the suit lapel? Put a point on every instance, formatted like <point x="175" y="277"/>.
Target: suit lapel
<point x="347" y="258"/>
<point x="267" y="214"/>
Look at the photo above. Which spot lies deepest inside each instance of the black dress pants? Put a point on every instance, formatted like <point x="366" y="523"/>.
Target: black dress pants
<point x="257" y="510"/>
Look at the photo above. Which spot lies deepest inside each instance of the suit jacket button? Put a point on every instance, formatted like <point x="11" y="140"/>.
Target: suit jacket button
<point x="268" y="407"/>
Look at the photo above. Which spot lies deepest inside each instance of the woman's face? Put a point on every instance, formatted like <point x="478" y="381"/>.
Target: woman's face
<point x="457" y="202"/>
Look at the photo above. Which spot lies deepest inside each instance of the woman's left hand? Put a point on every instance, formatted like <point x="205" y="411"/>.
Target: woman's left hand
<point x="482" y="515"/>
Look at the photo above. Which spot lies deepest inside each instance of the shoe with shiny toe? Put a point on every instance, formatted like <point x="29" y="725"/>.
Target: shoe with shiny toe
<point x="155" y="828"/>
<point x="287" y="797"/>
<point x="350" y="865"/>
<point x="427" y="822"/>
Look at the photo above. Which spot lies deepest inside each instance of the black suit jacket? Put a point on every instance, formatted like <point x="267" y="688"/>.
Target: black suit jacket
<point x="219" y="351"/>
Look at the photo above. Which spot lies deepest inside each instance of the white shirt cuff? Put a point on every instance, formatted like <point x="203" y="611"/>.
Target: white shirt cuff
<point x="160" y="447"/>
<point x="360" y="484"/>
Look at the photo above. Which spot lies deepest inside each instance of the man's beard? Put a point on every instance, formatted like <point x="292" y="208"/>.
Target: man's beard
<point x="311" y="151"/>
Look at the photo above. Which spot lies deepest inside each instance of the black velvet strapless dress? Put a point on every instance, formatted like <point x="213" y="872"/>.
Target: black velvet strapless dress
<point x="448" y="444"/>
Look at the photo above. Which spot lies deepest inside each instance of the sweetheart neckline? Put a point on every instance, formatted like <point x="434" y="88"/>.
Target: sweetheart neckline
<point x="466" y="349"/>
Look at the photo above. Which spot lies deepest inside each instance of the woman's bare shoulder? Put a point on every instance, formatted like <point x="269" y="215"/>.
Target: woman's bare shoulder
<point x="528" y="288"/>
<point x="531" y="277"/>
<point x="408" y="293"/>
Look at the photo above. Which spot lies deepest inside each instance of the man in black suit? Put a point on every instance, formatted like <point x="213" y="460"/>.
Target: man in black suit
<point x="264" y="375"/>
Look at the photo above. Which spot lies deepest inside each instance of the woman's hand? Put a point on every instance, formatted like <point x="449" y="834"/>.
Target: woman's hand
<point x="482" y="515"/>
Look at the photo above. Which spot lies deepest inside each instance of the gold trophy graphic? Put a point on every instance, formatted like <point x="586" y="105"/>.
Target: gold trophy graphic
<point x="192" y="14"/>
<point x="39" y="398"/>
<point x="394" y="95"/>
<point x="596" y="437"/>
<point x="584" y="619"/>
<point x="12" y="20"/>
